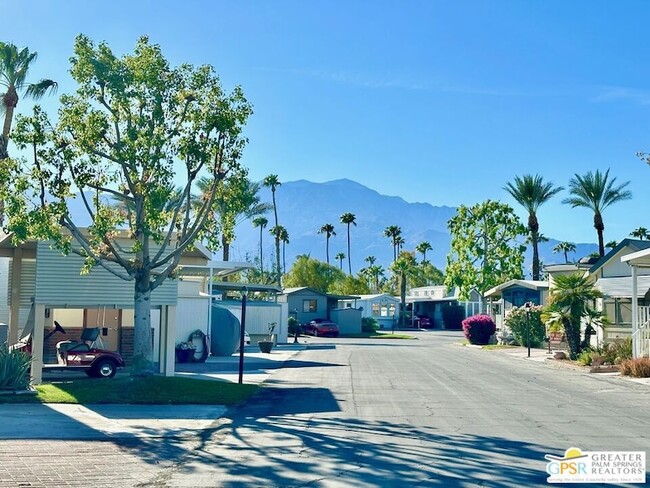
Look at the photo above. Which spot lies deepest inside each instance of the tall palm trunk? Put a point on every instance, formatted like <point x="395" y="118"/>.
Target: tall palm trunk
<point x="261" y="263"/>
<point x="600" y="227"/>
<point x="277" y="241"/>
<point x="9" y="100"/>
<point x="533" y="226"/>
<point x="349" y="255"/>
<point x="327" y="248"/>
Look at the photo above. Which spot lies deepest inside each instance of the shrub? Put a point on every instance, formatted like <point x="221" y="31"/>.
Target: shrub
<point x="14" y="369"/>
<point x="293" y="326"/>
<point x="478" y="329"/>
<point x="639" y="368"/>
<point x="584" y="357"/>
<point x="369" y="324"/>
<point x="617" y="351"/>
<point x="517" y="321"/>
<point x="453" y="316"/>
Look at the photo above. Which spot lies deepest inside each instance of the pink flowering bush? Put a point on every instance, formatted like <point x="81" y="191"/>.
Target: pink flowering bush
<point x="478" y="329"/>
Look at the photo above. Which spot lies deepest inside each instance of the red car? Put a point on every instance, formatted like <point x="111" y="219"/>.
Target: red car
<point x="321" y="328"/>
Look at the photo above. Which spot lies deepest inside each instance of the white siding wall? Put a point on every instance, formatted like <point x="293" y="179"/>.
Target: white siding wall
<point x="258" y="316"/>
<point x="191" y="314"/>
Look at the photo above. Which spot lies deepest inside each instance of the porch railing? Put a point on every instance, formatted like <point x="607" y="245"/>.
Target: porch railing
<point x="641" y="336"/>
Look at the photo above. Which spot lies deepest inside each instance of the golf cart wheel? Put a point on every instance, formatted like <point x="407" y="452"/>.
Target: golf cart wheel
<point x="105" y="368"/>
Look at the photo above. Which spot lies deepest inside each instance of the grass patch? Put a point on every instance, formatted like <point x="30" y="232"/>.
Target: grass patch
<point x="378" y="335"/>
<point x="152" y="390"/>
<point x="499" y="346"/>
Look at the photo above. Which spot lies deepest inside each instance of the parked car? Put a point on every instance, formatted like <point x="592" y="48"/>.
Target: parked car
<point x="321" y="328"/>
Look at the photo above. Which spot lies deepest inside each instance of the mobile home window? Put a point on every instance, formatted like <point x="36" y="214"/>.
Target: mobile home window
<point x="309" y="306"/>
<point x="375" y="310"/>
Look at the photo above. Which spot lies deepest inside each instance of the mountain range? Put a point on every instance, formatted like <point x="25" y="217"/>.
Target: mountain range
<point x="304" y="206"/>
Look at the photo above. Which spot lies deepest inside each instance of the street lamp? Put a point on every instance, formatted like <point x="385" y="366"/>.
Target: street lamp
<point x="242" y="330"/>
<point x="528" y="306"/>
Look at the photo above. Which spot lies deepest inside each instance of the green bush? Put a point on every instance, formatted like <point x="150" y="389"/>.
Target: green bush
<point x="617" y="351"/>
<point x="293" y="326"/>
<point x="517" y="322"/>
<point x="14" y="369"/>
<point x="585" y="357"/>
<point x="369" y="324"/>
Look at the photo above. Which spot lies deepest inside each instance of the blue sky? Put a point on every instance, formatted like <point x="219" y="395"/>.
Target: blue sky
<point x="438" y="102"/>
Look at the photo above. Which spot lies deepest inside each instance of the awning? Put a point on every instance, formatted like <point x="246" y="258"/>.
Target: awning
<point x="622" y="287"/>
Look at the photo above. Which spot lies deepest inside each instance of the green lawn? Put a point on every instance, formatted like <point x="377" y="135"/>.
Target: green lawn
<point x="138" y="390"/>
<point x="378" y="335"/>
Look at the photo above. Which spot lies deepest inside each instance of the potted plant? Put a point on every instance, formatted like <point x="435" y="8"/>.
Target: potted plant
<point x="185" y="352"/>
<point x="267" y="344"/>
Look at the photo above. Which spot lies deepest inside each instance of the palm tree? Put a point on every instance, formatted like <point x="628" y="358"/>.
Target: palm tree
<point x="276" y="231"/>
<point x="403" y="267"/>
<point x="272" y="182"/>
<point x="399" y="242"/>
<point x="393" y="232"/>
<point x="340" y="257"/>
<point x="14" y="68"/>
<point x="611" y="244"/>
<point x="349" y="218"/>
<point x="260" y="222"/>
<point x="237" y="199"/>
<point x="565" y="247"/>
<point x="284" y="237"/>
<point x="328" y="230"/>
<point x="370" y="260"/>
<point x="422" y="248"/>
<point x="596" y="192"/>
<point x="531" y="192"/>
<point x="571" y="299"/>
<point x="640" y="233"/>
<point x="376" y="272"/>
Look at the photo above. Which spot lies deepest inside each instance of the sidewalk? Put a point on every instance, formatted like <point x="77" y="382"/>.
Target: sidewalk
<point x="110" y="422"/>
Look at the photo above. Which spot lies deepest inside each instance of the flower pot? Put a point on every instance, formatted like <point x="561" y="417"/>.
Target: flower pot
<point x="184" y="355"/>
<point x="265" y="346"/>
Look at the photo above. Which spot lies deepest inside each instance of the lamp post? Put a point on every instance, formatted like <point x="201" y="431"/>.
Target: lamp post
<point x="242" y="330"/>
<point x="528" y="306"/>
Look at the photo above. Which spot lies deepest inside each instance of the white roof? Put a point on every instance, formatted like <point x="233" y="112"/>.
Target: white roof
<point x="622" y="287"/>
<point x="530" y="284"/>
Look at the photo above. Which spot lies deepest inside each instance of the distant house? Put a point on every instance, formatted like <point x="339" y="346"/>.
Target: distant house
<point x="307" y="304"/>
<point x="514" y="293"/>
<point x="436" y="303"/>
<point x="381" y="306"/>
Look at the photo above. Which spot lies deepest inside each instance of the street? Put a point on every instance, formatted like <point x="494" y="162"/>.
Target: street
<point x="366" y="413"/>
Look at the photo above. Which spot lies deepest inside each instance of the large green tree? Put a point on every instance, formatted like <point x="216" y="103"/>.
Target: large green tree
<point x="313" y="273"/>
<point x="484" y="252"/>
<point x="349" y="219"/>
<point x="595" y="191"/>
<point x="328" y="230"/>
<point x="131" y="124"/>
<point x="531" y="192"/>
<point x="273" y="182"/>
<point x="14" y="70"/>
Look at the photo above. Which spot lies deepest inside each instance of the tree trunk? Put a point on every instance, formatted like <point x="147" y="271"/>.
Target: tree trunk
<point x="142" y="344"/>
<point x="277" y="261"/>
<point x="572" y="331"/>
<point x="261" y="263"/>
<point x="402" y="294"/>
<point x="600" y="227"/>
<point x="349" y="255"/>
<point x="327" y="249"/>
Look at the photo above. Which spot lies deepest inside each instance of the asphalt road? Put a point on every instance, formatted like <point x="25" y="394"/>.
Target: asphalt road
<point x="368" y="413"/>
